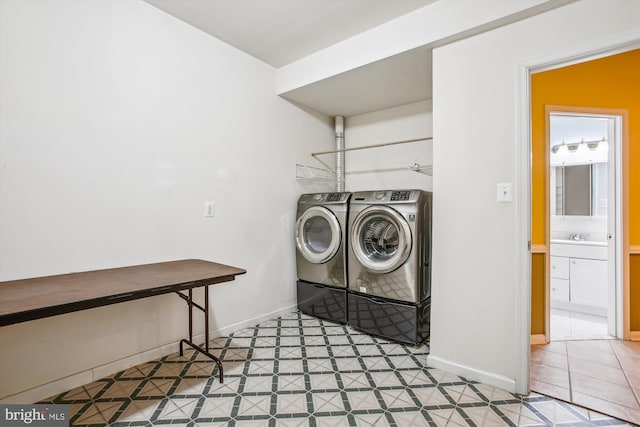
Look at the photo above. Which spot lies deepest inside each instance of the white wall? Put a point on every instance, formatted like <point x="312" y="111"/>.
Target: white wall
<point x="388" y="167"/>
<point x="475" y="279"/>
<point x="117" y="123"/>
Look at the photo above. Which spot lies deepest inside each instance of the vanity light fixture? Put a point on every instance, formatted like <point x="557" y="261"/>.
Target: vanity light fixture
<point x="593" y="145"/>
<point x="573" y="147"/>
<point x="557" y="147"/>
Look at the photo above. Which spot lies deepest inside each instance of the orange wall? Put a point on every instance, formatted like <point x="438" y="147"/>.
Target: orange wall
<point x="634" y="268"/>
<point x="612" y="82"/>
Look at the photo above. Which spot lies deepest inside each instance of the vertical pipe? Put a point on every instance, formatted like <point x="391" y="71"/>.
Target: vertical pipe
<point x="339" y="126"/>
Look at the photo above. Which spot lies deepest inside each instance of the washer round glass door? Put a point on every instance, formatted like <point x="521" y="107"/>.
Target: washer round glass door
<point x="318" y="234"/>
<point x="381" y="239"/>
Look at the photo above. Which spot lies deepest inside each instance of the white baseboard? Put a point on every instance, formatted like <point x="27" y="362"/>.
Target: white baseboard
<point x="49" y="389"/>
<point x="221" y="332"/>
<point x="474" y="374"/>
<point x="78" y="379"/>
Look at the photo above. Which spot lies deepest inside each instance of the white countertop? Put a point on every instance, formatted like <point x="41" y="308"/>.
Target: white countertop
<point x="579" y="242"/>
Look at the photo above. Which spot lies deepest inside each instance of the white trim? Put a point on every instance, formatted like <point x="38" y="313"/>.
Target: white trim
<point x="523" y="230"/>
<point x="618" y="241"/>
<point x="473" y="374"/>
<point x="617" y="43"/>
<point x="607" y="46"/>
<point x="87" y="376"/>
<point x="615" y="321"/>
<point x="49" y="389"/>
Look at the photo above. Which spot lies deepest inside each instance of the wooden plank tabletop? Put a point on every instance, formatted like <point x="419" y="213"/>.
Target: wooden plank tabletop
<point x="28" y="299"/>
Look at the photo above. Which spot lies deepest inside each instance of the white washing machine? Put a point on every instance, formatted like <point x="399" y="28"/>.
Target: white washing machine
<point x="389" y="260"/>
<point x="321" y="237"/>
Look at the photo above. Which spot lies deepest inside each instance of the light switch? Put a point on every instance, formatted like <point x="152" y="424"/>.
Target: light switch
<point x="505" y="192"/>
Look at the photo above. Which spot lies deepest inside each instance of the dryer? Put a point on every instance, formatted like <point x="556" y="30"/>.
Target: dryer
<point x="389" y="261"/>
<point x="321" y="237"/>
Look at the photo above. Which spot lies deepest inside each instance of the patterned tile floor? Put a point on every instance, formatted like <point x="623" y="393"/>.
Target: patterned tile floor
<point x="300" y="371"/>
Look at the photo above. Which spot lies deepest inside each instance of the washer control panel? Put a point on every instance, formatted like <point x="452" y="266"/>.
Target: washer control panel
<point x="324" y="198"/>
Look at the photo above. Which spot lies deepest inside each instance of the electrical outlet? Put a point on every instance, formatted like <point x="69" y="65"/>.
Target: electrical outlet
<point x="209" y="209"/>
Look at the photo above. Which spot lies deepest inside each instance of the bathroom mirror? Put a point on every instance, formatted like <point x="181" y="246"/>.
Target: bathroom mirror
<point x="578" y="159"/>
<point x="579" y="190"/>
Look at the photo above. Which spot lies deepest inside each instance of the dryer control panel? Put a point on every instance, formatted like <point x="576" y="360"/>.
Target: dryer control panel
<point x="386" y="196"/>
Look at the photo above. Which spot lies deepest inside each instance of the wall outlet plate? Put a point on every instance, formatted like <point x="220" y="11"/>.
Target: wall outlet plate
<point x="209" y="209"/>
<point x="505" y="192"/>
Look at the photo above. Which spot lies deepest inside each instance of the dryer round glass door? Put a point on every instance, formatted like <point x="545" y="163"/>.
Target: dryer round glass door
<point x="381" y="239"/>
<point x="318" y="234"/>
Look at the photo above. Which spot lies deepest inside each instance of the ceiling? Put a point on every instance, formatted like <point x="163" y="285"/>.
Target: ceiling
<point x="279" y="32"/>
<point x="397" y="80"/>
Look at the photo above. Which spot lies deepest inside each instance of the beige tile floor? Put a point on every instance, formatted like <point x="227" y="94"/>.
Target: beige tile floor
<point x="603" y="375"/>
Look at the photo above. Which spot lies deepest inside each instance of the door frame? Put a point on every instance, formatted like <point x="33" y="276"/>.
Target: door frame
<point x="621" y="218"/>
<point x="619" y="43"/>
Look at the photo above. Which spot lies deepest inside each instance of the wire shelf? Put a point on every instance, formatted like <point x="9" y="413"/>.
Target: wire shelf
<point x="427" y="170"/>
<point x="312" y="175"/>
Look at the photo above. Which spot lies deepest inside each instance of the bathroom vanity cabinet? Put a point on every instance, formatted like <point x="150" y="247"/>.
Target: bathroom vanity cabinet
<point x="579" y="277"/>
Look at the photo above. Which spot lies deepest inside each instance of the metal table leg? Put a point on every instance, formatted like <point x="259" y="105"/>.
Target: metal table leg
<point x="189" y="299"/>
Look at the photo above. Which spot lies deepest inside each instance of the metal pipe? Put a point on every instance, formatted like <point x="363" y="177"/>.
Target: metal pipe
<point x="339" y="125"/>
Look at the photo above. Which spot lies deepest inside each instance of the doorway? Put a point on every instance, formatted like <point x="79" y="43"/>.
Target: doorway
<point x="584" y="361"/>
<point x="592" y="373"/>
<point x="584" y="223"/>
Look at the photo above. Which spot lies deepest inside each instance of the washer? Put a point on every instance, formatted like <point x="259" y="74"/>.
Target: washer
<point x="321" y="237"/>
<point x="389" y="260"/>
